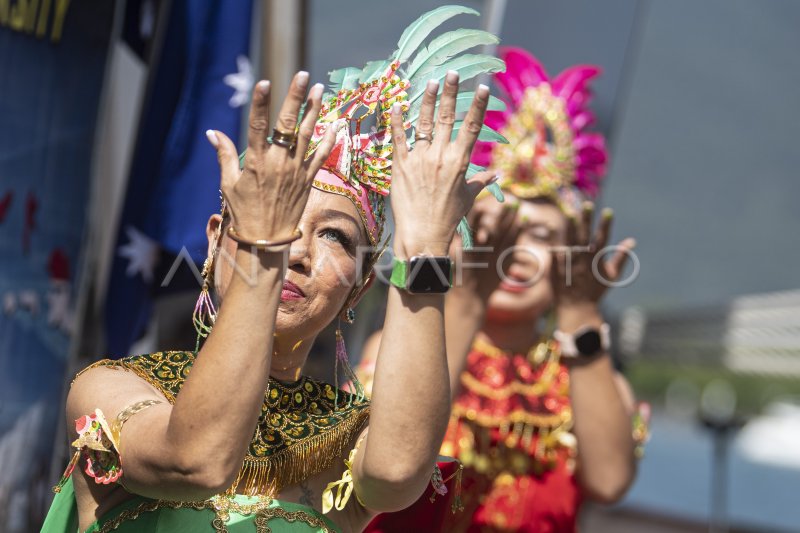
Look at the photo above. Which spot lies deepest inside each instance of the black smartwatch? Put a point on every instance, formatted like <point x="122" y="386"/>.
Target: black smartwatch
<point x="585" y="342"/>
<point x="423" y="274"/>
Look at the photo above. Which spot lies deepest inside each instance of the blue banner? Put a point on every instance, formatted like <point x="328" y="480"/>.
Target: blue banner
<point x="52" y="60"/>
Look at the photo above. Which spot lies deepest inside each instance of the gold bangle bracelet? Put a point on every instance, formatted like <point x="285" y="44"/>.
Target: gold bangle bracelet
<point x="263" y="244"/>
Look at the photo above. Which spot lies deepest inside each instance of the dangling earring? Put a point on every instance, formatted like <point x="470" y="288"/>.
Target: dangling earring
<point x="204" y="311"/>
<point x="344" y="361"/>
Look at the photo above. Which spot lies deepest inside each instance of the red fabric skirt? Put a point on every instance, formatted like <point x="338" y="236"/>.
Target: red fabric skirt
<point x="546" y="503"/>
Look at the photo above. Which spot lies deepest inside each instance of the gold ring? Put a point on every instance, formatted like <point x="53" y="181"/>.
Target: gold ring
<point x="423" y="137"/>
<point x="284" y="139"/>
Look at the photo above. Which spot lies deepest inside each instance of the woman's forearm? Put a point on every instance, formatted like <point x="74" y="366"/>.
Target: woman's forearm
<point x="410" y="403"/>
<point x="216" y="411"/>
<point x="463" y="316"/>
<point x="606" y="461"/>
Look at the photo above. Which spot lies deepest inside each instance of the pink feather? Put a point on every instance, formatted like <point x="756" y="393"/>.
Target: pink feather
<point x="572" y="86"/>
<point x="522" y="71"/>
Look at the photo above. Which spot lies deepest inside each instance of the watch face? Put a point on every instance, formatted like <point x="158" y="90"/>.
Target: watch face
<point x="588" y="343"/>
<point x="429" y="274"/>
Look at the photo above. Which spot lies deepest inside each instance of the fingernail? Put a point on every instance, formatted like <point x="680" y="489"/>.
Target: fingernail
<point x="212" y="138"/>
<point x="452" y="76"/>
<point x="432" y="86"/>
<point x="633" y="244"/>
<point x="494" y="179"/>
<point x="483" y="90"/>
<point x="302" y="79"/>
<point x="397" y="108"/>
<point x="608" y="212"/>
<point x="317" y="89"/>
<point x="263" y="86"/>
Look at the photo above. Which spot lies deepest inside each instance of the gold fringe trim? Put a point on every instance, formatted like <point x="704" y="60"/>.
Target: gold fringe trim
<point x="268" y="475"/>
<point x="475" y="385"/>
<point x="515" y="417"/>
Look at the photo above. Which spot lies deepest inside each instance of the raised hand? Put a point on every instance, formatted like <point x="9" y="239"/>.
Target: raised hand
<point x="580" y="277"/>
<point x="429" y="192"/>
<point x="267" y="198"/>
<point x="496" y="229"/>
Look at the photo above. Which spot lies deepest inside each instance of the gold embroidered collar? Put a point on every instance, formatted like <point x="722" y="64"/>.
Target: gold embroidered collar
<point x="304" y="427"/>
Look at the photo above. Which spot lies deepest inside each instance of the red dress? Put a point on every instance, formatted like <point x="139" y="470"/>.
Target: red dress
<point x="510" y="428"/>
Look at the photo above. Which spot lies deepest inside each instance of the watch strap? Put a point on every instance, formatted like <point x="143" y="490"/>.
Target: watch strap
<point x="568" y="347"/>
<point x="399" y="275"/>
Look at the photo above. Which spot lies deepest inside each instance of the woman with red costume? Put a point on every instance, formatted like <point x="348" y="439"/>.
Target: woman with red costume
<point x="541" y="420"/>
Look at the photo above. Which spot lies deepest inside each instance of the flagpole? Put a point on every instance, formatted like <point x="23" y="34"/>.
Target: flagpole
<point x="282" y="43"/>
<point x="492" y="21"/>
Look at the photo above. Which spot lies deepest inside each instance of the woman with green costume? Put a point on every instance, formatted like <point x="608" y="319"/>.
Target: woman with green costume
<point x="232" y="436"/>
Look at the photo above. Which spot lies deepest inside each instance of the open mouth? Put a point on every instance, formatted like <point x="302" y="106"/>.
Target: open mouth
<point x="515" y="284"/>
<point x="290" y="291"/>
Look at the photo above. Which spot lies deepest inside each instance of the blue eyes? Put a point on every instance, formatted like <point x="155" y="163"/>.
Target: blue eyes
<point x="336" y="236"/>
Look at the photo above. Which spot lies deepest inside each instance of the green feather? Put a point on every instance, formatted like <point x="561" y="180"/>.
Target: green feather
<point x="493" y="188"/>
<point x="463" y="103"/>
<point x="496" y="191"/>
<point x="467" y="65"/>
<point x="373" y="69"/>
<point x="344" y="78"/>
<point x="486" y="134"/>
<point x="446" y="46"/>
<point x="466" y="234"/>
<point x="419" y="30"/>
<point x="473" y="169"/>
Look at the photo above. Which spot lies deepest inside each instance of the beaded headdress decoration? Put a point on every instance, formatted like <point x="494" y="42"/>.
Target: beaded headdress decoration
<point x="360" y="164"/>
<point x="550" y="152"/>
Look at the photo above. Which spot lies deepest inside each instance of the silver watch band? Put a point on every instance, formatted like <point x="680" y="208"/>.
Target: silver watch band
<point x="567" y="345"/>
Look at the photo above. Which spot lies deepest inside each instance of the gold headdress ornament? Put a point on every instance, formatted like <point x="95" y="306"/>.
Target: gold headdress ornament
<point x="550" y="152"/>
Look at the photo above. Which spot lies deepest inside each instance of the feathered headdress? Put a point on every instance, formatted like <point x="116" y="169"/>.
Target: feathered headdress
<point x="360" y="165"/>
<point x="550" y="152"/>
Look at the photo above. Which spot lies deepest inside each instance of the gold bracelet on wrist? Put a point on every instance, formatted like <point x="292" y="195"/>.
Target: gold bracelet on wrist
<point x="263" y="244"/>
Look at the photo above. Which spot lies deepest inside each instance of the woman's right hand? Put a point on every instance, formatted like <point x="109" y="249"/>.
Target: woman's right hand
<point x="267" y="198"/>
<point x="429" y="192"/>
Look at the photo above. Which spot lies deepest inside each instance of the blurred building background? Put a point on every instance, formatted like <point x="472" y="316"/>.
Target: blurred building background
<point x="699" y="103"/>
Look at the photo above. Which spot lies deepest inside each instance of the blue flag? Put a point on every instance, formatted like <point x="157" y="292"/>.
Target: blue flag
<point x="200" y="81"/>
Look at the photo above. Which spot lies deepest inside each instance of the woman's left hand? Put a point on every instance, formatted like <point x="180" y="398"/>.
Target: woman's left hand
<point x="429" y="193"/>
<point x="581" y="274"/>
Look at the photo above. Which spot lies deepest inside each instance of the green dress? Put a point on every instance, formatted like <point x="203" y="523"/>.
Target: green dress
<point x="304" y="428"/>
<point x="140" y="515"/>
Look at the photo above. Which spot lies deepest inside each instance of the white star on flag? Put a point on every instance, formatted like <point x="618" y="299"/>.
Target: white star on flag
<point x="141" y="253"/>
<point x="59" y="314"/>
<point x="242" y="82"/>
